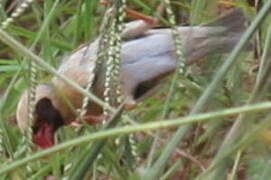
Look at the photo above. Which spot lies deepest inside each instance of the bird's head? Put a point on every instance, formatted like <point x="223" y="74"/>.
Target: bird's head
<point x="47" y="115"/>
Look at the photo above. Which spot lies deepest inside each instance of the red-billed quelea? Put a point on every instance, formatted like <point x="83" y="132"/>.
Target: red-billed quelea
<point x="147" y="58"/>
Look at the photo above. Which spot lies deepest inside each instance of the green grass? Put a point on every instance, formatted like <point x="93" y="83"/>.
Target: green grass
<point x="230" y="137"/>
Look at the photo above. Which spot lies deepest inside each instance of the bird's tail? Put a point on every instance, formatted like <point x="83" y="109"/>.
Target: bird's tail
<point x="219" y="36"/>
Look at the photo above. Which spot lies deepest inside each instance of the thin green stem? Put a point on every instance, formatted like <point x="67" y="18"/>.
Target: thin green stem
<point x="10" y="41"/>
<point x="180" y="71"/>
<point x="159" y="165"/>
<point x="240" y="124"/>
<point x="132" y="129"/>
<point x="242" y="144"/>
<point x="86" y="160"/>
<point x="235" y="166"/>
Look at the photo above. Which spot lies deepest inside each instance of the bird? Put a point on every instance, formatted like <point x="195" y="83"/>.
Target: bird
<point x="148" y="57"/>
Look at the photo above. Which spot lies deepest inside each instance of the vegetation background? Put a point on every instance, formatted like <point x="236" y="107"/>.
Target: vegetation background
<point x="52" y="29"/>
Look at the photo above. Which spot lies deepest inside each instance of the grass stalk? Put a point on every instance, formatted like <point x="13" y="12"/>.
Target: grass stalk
<point x="86" y="160"/>
<point x="159" y="165"/>
<point x="241" y="124"/>
<point x="10" y="41"/>
<point x="132" y="129"/>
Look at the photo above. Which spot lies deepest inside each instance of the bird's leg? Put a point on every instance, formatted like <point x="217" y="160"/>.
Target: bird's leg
<point x="134" y="14"/>
<point x="135" y="28"/>
<point x="137" y="15"/>
<point x="105" y="2"/>
<point x="90" y="119"/>
<point x="138" y="28"/>
<point x="93" y="119"/>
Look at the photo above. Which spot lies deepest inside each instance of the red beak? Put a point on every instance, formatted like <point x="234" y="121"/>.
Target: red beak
<point x="44" y="137"/>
